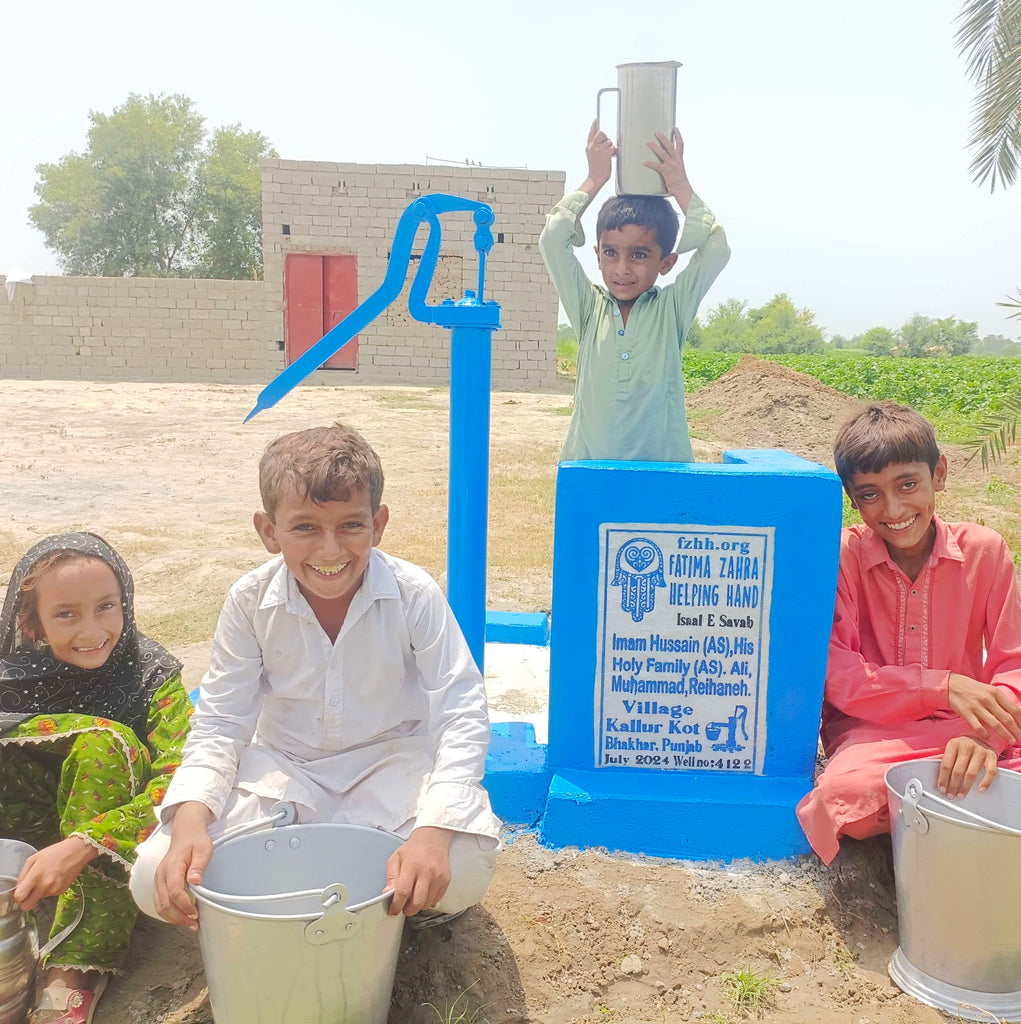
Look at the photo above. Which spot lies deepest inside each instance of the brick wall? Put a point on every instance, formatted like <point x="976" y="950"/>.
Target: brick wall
<point x="354" y="209"/>
<point x="133" y="328"/>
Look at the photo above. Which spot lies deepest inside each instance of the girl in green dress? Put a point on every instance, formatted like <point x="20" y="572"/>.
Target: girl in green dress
<point x="93" y="718"/>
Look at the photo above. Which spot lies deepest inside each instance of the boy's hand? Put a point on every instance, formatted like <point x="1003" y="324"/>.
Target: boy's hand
<point x="670" y="166"/>
<point x="52" y="870"/>
<point x="987" y="709"/>
<point x="963" y="759"/>
<point x="190" y="851"/>
<point x="419" y="871"/>
<point x="599" y="151"/>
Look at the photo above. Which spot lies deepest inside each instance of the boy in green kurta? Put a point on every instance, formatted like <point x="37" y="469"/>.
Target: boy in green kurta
<point x="629" y="395"/>
<point x="93" y="719"/>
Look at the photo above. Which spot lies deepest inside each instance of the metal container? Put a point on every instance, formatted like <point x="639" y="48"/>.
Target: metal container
<point x="958" y="892"/>
<point x="19" y="941"/>
<point x="293" y="926"/>
<point x="647" y="103"/>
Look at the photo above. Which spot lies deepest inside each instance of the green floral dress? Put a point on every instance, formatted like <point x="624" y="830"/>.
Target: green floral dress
<point x="78" y="775"/>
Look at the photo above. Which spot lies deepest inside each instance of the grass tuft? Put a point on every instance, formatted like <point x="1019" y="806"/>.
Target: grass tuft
<point x="459" y="1011"/>
<point x="752" y="991"/>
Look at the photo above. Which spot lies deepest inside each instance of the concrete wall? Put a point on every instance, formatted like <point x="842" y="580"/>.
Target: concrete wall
<point x="132" y="328"/>
<point x="354" y="208"/>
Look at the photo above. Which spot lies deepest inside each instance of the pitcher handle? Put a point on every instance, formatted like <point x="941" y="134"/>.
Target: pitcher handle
<point x="599" y="96"/>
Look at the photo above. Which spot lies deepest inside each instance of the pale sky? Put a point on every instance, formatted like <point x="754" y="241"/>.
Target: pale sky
<point x="829" y="139"/>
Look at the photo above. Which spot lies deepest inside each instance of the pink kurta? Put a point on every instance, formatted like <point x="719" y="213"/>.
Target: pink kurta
<point x="893" y="646"/>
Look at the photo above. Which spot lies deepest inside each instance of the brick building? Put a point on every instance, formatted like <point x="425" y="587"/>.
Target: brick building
<point x="341" y="219"/>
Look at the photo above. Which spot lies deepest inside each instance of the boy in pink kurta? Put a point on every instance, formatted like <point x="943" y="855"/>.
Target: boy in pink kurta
<point x="925" y="653"/>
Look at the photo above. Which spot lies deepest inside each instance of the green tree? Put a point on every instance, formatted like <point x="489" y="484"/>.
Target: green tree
<point x="924" y="336"/>
<point x="773" y="328"/>
<point x="230" y="203"/>
<point x="726" y="327"/>
<point x="878" y="341"/>
<point x="996" y="345"/>
<point x="148" y="197"/>
<point x="780" y="327"/>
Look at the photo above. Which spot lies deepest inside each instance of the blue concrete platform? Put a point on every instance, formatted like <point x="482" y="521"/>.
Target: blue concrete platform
<point x="692" y="606"/>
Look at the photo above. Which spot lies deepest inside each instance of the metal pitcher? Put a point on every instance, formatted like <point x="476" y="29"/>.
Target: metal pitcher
<point x="647" y="103"/>
<point x="19" y="941"/>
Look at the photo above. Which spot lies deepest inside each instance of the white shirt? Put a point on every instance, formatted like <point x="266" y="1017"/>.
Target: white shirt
<point x="385" y="725"/>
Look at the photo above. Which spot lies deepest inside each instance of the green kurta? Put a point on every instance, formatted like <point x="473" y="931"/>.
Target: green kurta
<point x="629" y="395"/>
<point x="76" y="775"/>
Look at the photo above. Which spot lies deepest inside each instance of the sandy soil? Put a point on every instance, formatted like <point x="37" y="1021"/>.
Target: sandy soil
<point x="167" y="473"/>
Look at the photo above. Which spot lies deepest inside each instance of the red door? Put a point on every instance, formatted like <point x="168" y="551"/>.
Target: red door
<point x="319" y="291"/>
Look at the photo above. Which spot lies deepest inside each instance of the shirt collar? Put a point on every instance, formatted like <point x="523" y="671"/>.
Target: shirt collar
<point x="648" y="294"/>
<point x="378" y="583"/>
<point x="945" y="545"/>
<point x="279" y="586"/>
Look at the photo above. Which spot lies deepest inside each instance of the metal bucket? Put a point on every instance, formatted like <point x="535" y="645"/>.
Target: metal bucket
<point x="19" y="941"/>
<point x="958" y="892"/>
<point x="293" y="928"/>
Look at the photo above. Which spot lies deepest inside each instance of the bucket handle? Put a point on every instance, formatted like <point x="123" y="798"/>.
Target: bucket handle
<point x="915" y="791"/>
<point x="280" y="814"/>
<point x="336" y="921"/>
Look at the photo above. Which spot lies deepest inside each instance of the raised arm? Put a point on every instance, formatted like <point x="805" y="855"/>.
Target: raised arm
<point x="701" y="233"/>
<point x="562" y="233"/>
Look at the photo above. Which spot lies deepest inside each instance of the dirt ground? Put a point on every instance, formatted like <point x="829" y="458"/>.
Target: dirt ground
<point x="168" y="474"/>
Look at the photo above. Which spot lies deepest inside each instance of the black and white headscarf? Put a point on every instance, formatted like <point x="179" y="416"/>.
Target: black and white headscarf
<point x="32" y="682"/>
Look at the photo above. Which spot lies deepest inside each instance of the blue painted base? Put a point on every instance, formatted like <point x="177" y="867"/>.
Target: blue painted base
<point x="517" y="628"/>
<point x="692" y="817"/>
<point x="517" y="778"/>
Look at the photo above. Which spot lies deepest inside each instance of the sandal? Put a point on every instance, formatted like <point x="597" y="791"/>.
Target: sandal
<point x="61" y="1005"/>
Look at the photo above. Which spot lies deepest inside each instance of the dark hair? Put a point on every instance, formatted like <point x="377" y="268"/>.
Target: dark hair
<point x="653" y="213"/>
<point x="322" y="463"/>
<point x="880" y="435"/>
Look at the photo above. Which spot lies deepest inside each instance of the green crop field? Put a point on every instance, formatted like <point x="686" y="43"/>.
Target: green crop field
<point x="956" y="393"/>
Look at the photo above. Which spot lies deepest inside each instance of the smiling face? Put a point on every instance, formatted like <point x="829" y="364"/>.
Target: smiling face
<point x="630" y="260"/>
<point x="78" y="612"/>
<point x="326" y="546"/>
<point x="898" y="503"/>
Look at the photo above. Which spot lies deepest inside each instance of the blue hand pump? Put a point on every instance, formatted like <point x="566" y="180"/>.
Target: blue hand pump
<point x="471" y="321"/>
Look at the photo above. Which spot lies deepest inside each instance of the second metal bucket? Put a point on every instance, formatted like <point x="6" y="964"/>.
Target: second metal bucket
<point x="19" y="945"/>
<point x="293" y="928"/>
<point x="958" y="893"/>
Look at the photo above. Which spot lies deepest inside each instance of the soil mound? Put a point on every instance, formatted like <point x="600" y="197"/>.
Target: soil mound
<point x="761" y="404"/>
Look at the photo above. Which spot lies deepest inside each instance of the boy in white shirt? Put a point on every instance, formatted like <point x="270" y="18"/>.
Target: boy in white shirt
<point x="339" y="681"/>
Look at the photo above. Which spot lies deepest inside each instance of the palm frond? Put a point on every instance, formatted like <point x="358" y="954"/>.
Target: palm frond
<point x="1013" y="304"/>
<point x="989" y="39"/>
<point x="997" y="434"/>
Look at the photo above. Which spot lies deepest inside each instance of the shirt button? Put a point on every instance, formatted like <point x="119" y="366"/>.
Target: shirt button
<point x="334" y="701"/>
<point x="621" y="333"/>
<point x="625" y="356"/>
<point x="616" y="312"/>
<point x="912" y="629"/>
<point x="914" y="591"/>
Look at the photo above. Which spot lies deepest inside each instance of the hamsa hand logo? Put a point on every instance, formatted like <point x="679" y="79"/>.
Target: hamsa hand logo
<point x="639" y="570"/>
